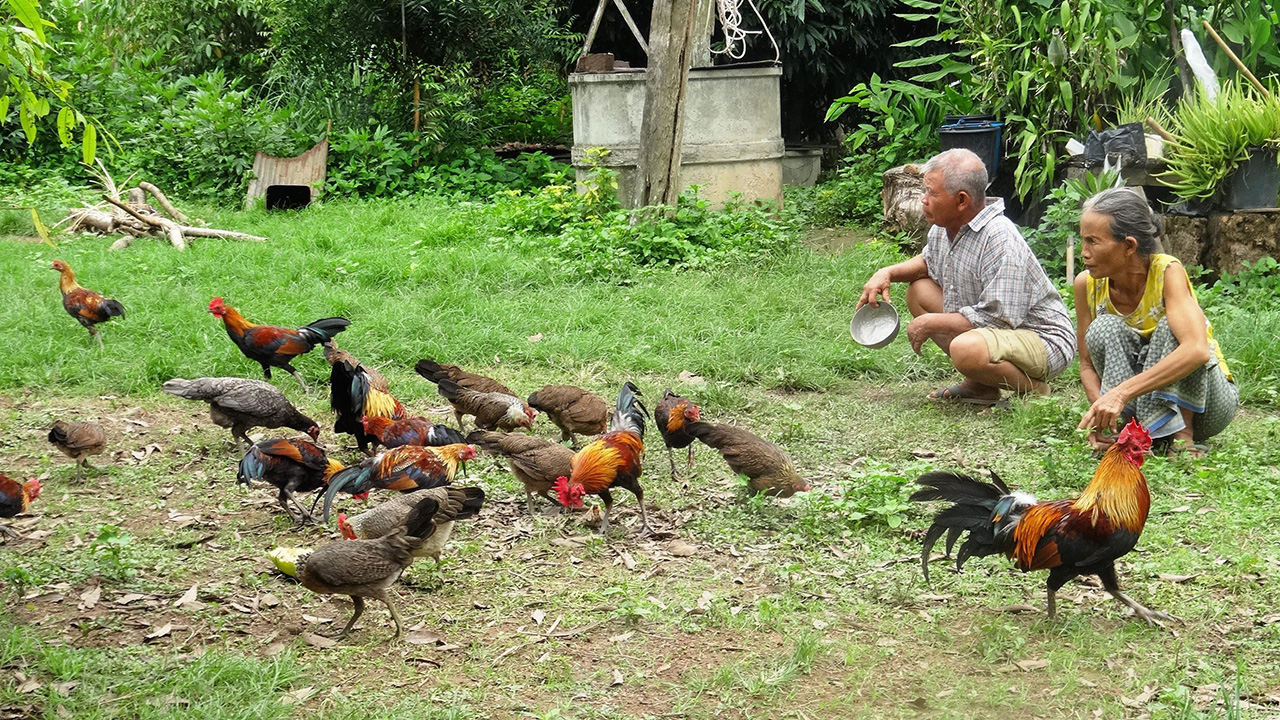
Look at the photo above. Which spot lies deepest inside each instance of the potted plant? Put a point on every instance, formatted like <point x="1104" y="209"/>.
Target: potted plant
<point x="1225" y="149"/>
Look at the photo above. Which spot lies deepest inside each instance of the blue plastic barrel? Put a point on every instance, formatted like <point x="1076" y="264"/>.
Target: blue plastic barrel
<point x="979" y="133"/>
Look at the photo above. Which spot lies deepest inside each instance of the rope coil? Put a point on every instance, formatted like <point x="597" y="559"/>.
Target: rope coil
<point x="735" y="37"/>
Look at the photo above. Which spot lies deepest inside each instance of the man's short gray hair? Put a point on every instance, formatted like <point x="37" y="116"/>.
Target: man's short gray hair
<point x="961" y="170"/>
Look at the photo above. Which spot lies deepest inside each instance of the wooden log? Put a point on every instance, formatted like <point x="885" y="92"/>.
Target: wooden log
<point x="213" y="233"/>
<point x="704" y="19"/>
<point x="93" y="219"/>
<point x="163" y="201"/>
<point x="169" y="227"/>
<point x="626" y="16"/>
<point x="595" y="26"/>
<point x="1175" y="44"/>
<point x="665" y="88"/>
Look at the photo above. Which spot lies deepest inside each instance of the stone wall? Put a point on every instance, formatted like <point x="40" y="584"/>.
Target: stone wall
<point x="1223" y="242"/>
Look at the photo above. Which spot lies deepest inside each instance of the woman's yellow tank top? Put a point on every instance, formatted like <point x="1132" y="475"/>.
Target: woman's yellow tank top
<point x="1150" y="310"/>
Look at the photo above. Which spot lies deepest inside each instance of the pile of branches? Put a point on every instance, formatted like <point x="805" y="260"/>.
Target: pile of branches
<point x="134" y="217"/>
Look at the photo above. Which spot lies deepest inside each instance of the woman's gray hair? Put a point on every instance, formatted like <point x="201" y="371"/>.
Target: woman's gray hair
<point x="1130" y="215"/>
<point x="961" y="170"/>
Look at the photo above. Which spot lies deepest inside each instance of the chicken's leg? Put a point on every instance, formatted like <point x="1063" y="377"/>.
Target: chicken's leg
<point x="283" y="499"/>
<point x="1111" y="584"/>
<point x="690" y="456"/>
<point x="80" y="465"/>
<point x="644" y="517"/>
<point x="301" y="382"/>
<point x="10" y="532"/>
<point x="93" y="333"/>
<point x="359" y="604"/>
<point x="1052" y="603"/>
<point x="302" y="516"/>
<point x="395" y="616"/>
<point x="607" y="497"/>
<point x="671" y="456"/>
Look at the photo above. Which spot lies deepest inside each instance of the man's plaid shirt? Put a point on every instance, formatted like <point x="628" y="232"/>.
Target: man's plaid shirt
<point x="989" y="274"/>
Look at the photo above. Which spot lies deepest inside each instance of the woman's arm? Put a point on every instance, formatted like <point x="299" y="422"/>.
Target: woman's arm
<point x="1186" y="320"/>
<point x="1084" y="317"/>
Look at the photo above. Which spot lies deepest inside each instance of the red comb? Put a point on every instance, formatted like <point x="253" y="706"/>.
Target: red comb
<point x="1134" y="434"/>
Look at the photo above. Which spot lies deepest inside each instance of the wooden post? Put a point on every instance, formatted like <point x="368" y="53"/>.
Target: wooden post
<point x="702" y="33"/>
<point x="666" y="84"/>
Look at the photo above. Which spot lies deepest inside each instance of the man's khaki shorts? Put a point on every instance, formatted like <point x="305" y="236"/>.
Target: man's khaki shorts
<point x="1023" y="348"/>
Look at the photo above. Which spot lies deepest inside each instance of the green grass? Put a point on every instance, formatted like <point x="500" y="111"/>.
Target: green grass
<point x="808" y="608"/>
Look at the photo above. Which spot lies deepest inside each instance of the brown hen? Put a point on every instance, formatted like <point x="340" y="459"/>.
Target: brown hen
<point x="535" y="462"/>
<point x="573" y="410"/>
<point x="768" y="467"/>
<point x="78" y="441"/>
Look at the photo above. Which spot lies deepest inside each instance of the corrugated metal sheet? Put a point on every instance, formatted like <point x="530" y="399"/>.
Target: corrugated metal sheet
<point x="306" y="169"/>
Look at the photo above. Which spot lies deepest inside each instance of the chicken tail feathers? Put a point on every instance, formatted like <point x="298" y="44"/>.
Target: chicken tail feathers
<point x="356" y="477"/>
<point x="471" y="504"/>
<point x="58" y="433"/>
<point x="985" y="510"/>
<point x="449" y="389"/>
<point x="441" y="435"/>
<point x="630" y="412"/>
<point x="112" y="308"/>
<point x="421" y="521"/>
<point x="252" y="467"/>
<point x="323" y="330"/>
<point x="429" y="369"/>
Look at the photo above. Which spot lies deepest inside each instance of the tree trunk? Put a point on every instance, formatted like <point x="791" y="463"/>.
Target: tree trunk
<point x="666" y="84"/>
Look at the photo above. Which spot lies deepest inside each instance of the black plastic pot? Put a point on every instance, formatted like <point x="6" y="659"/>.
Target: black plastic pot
<point x="1255" y="184"/>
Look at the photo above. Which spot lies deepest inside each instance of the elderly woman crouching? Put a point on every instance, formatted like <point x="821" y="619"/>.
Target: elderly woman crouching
<point x="1146" y="349"/>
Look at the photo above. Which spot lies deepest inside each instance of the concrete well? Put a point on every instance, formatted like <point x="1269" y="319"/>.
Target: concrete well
<point x="732" y="129"/>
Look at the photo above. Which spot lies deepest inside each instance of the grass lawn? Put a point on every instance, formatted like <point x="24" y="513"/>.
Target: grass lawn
<point x="740" y="607"/>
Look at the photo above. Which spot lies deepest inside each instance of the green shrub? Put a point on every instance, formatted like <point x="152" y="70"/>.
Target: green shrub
<point x="852" y="197"/>
<point x="1061" y="221"/>
<point x="590" y="236"/>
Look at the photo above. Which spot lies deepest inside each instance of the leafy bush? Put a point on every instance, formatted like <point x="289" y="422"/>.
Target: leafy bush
<point x="900" y="120"/>
<point x="1061" y="221"/>
<point x="852" y="197"/>
<point x="591" y="236"/>
<point x="876" y="496"/>
<point x="1245" y="311"/>
<point x="377" y="161"/>
<point x="1044" y="68"/>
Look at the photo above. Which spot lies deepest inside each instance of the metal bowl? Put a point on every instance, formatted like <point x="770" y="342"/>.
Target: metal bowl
<point x="874" y="327"/>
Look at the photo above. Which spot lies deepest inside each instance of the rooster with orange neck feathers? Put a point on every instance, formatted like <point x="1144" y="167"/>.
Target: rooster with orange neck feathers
<point x="1084" y="536"/>
<point x="88" y="307"/>
<point x="275" y="346"/>
<point x="611" y="460"/>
